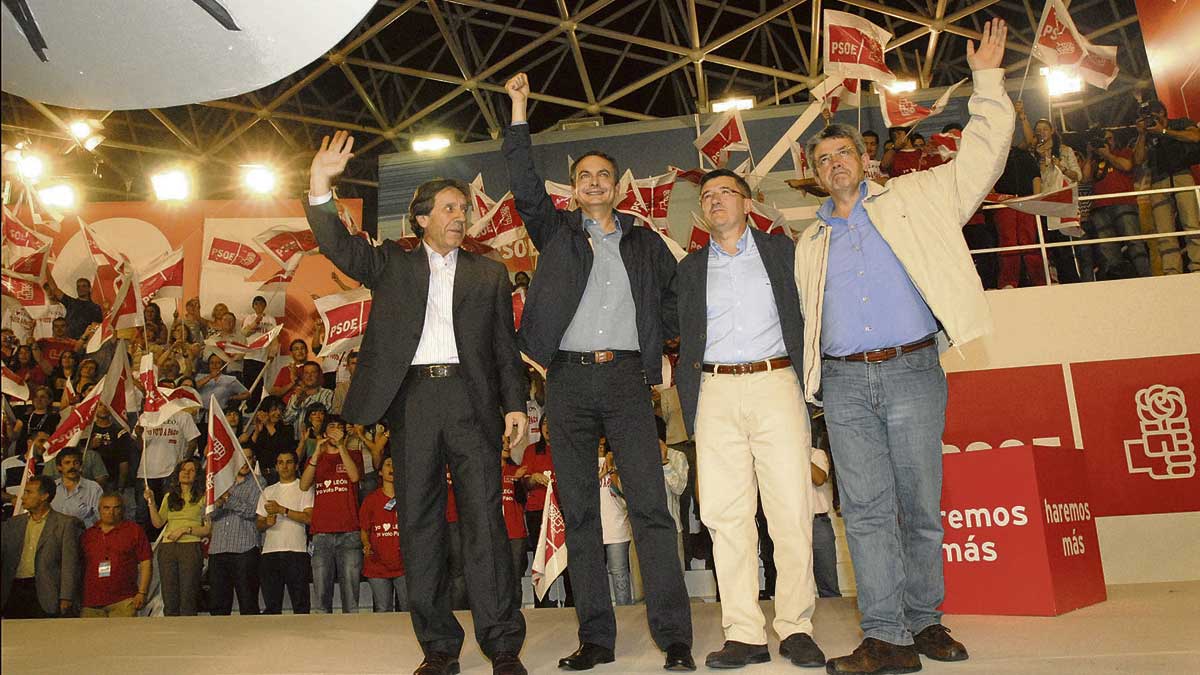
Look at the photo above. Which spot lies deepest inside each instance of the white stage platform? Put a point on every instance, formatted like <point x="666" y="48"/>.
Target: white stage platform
<point x="1143" y="629"/>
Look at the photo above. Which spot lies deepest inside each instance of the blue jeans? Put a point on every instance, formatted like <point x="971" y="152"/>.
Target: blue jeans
<point x="336" y="555"/>
<point x="618" y="570"/>
<point x="1120" y="220"/>
<point x="885" y="426"/>
<point x="385" y="591"/>
<point x="825" y="557"/>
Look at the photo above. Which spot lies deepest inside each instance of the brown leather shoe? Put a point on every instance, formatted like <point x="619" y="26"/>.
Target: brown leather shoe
<point x="737" y="655"/>
<point x="438" y="663"/>
<point x="507" y="663"/>
<point x="876" y="657"/>
<point x="935" y="642"/>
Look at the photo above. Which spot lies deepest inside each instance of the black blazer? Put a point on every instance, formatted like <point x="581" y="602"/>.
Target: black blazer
<point x="566" y="261"/>
<point x="779" y="257"/>
<point x="399" y="281"/>
<point x="55" y="564"/>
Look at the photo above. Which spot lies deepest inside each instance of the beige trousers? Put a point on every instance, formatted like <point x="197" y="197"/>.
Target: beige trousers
<point x="752" y="437"/>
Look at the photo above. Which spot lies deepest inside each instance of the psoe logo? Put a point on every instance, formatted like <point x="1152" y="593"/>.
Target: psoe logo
<point x="1165" y="449"/>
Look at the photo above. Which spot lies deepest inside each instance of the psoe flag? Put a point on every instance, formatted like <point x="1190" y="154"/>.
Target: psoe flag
<point x="728" y="133"/>
<point x="854" y="48"/>
<point x="345" y="317"/>
<point x="223" y="457"/>
<point x="550" y="556"/>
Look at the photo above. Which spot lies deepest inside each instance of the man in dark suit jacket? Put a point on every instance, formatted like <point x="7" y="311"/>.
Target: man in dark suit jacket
<point x="439" y="361"/>
<point x="40" y="552"/>
<point x="597" y="313"/>
<point x="741" y="334"/>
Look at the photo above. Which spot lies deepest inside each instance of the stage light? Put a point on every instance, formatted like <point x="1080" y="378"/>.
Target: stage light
<point x="901" y="86"/>
<point x="430" y="144"/>
<point x="60" y="196"/>
<point x="93" y="142"/>
<point x="1061" y="81"/>
<point x="259" y="179"/>
<point x="732" y="104"/>
<point x="80" y="129"/>
<point x="172" y="184"/>
<point x="31" y="167"/>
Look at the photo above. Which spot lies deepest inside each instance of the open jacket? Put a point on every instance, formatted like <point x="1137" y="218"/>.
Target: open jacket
<point x="920" y="216"/>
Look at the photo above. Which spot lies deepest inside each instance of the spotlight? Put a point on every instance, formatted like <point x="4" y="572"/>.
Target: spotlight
<point x="60" y="196"/>
<point x="901" y="86"/>
<point x="172" y="184"/>
<point x="80" y="129"/>
<point x="430" y="144"/>
<point x="93" y="142"/>
<point x="259" y="179"/>
<point x="31" y="167"/>
<point x="1061" y="81"/>
<point x="732" y="104"/>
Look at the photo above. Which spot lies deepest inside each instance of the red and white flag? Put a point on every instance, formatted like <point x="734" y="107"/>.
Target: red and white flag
<point x="700" y="237"/>
<point x="1062" y="202"/>
<point x="723" y="136"/>
<point x="23" y="289"/>
<point x="102" y="252"/>
<point x="14" y="385"/>
<point x="498" y="223"/>
<point x="901" y="111"/>
<point x="1059" y="43"/>
<point x="284" y="243"/>
<point x="561" y="194"/>
<point x="279" y="281"/>
<point x="71" y="429"/>
<point x="17" y="233"/>
<point x="223" y="456"/>
<point x="946" y="145"/>
<point x="854" y="48"/>
<point x="648" y="199"/>
<point x="345" y="317"/>
<point x="24" y="251"/>
<point x="518" y="300"/>
<point x="126" y="312"/>
<point x="161" y="403"/>
<point x="120" y="393"/>
<point x="30" y="467"/>
<point x="767" y="218"/>
<point x="227" y="348"/>
<point x="163" y="277"/>
<point x="846" y="92"/>
<point x="693" y="176"/>
<point x="234" y="253"/>
<point x="550" y="555"/>
<point x="800" y="162"/>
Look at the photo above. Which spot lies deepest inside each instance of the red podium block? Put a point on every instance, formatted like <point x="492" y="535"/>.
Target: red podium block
<point x="1019" y="533"/>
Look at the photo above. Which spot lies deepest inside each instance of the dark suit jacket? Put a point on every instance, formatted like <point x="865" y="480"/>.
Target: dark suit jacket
<point x="399" y="281"/>
<point x="566" y="261"/>
<point x="779" y="257"/>
<point x="56" y="564"/>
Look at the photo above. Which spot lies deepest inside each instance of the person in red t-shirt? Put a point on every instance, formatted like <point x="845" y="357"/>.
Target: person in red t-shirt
<point x="512" y="497"/>
<point x="116" y="563"/>
<point x="287" y="380"/>
<point x="1110" y="170"/>
<point x="337" y="550"/>
<point x="383" y="564"/>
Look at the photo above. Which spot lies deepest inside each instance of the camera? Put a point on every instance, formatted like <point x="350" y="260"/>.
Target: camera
<point x="1094" y="138"/>
<point x="1145" y="114"/>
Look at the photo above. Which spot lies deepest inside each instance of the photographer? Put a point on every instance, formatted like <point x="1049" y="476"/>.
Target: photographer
<point x="1110" y="171"/>
<point x="1170" y="147"/>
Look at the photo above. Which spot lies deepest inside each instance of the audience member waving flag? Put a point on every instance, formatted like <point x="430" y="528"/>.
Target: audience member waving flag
<point x="163" y="277"/>
<point x="1059" y="43"/>
<point x="345" y="317"/>
<point x="227" y="348"/>
<point x="126" y="312"/>
<point x="854" y="48"/>
<point x="550" y="556"/>
<point x="223" y="457"/>
<point x="161" y="403"/>
<point x="899" y="110"/>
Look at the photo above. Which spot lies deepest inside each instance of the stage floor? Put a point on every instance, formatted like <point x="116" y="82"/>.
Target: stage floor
<point x="1150" y="628"/>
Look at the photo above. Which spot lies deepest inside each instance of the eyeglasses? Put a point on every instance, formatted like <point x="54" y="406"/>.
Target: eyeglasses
<point x="840" y="154"/>
<point x="719" y="193"/>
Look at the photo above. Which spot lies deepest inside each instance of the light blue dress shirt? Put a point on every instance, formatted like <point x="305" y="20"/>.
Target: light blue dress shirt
<point x="743" y="321"/>
<point x="606" y="317"/>
<point x="870" y="301"/>
<point x="83" y="502"/>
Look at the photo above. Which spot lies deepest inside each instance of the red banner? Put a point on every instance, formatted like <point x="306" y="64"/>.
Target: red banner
<point x="284" y="242"/>
<point x="726" y="134"/>
<point x="233" y="253"/>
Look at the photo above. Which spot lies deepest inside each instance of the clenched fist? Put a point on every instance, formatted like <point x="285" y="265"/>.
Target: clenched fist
<point x="518" y="90"/>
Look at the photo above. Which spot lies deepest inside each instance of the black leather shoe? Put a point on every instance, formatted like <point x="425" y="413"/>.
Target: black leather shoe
<point x="438" y="663"/>
<point x="935" y="642"/>
<point x="586" y="657"/>
<point x="679" y="658"/>
<point x="803" y="652"/>
<point x="737" y="654"/>
<point x="507" y="663"/>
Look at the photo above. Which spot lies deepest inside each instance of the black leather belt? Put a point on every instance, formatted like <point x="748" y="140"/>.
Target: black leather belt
<point x="594" y="358"/>
<point x="435" y="371"/>
<point x="747" y="368"/>
<point x="887" y="354"/>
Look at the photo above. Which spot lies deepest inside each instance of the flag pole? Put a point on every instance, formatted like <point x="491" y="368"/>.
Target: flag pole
<point x="1021" y="93"/>
<point x="858" y="82"/>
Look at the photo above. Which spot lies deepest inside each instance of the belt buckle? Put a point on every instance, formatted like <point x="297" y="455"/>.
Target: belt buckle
<point x="743" y="368"/>
<point x="877" y="355"/>
<point x="602" y="357"/>
<point x="439" y="370"/>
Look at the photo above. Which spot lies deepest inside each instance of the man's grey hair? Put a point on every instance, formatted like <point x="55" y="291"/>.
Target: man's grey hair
<point x="833" y="131"/>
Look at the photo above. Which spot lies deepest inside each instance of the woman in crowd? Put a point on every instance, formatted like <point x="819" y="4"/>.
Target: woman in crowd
<point x="314" y="430"/>
<point x="181" y="350"/>
<point x="1056" y="161"/>
<point x="371" y="441"/>
<point x="156" y="330"/>
<point x="267" y="435"/>
<point x="196" y="324"/>
<point x="383" y="564"/>
<point x="85" y="376"/>
<point x="67" y="371"/>
<point x="180" y="557"/>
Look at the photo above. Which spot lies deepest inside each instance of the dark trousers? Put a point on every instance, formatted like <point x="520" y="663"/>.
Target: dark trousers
<point x="433" y="425"/>
<point x="457" y="567"/>
<point x="280" y="569"/>
<point x="613" y="400"/>
<point x="179" y="567"/>
<point x="229" y="573"/>
<point x="519" y="561"/>
<point x="23" y="601"/>
<point x="766" y="552"/>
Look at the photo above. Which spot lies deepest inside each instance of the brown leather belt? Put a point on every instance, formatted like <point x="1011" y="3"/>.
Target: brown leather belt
<point x="877" y="355"/>
<point x="747" y="368"/>
<point x="434" y="371"/>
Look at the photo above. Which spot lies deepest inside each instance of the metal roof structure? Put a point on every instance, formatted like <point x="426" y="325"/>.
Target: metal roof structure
<point x="413" y="67"/>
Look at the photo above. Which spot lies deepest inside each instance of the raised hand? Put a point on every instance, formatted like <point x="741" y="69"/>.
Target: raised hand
<point x="518" y="90"/>
<point x="991" y="46"/>
<point x="329" y="162"/>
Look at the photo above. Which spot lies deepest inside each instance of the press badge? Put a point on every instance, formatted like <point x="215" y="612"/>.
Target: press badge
<point x="105" y="569"/>
<point x="390" y="505"/>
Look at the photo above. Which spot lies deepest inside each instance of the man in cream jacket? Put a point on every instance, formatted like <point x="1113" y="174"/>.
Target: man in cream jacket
<point x="881" y="272"/>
